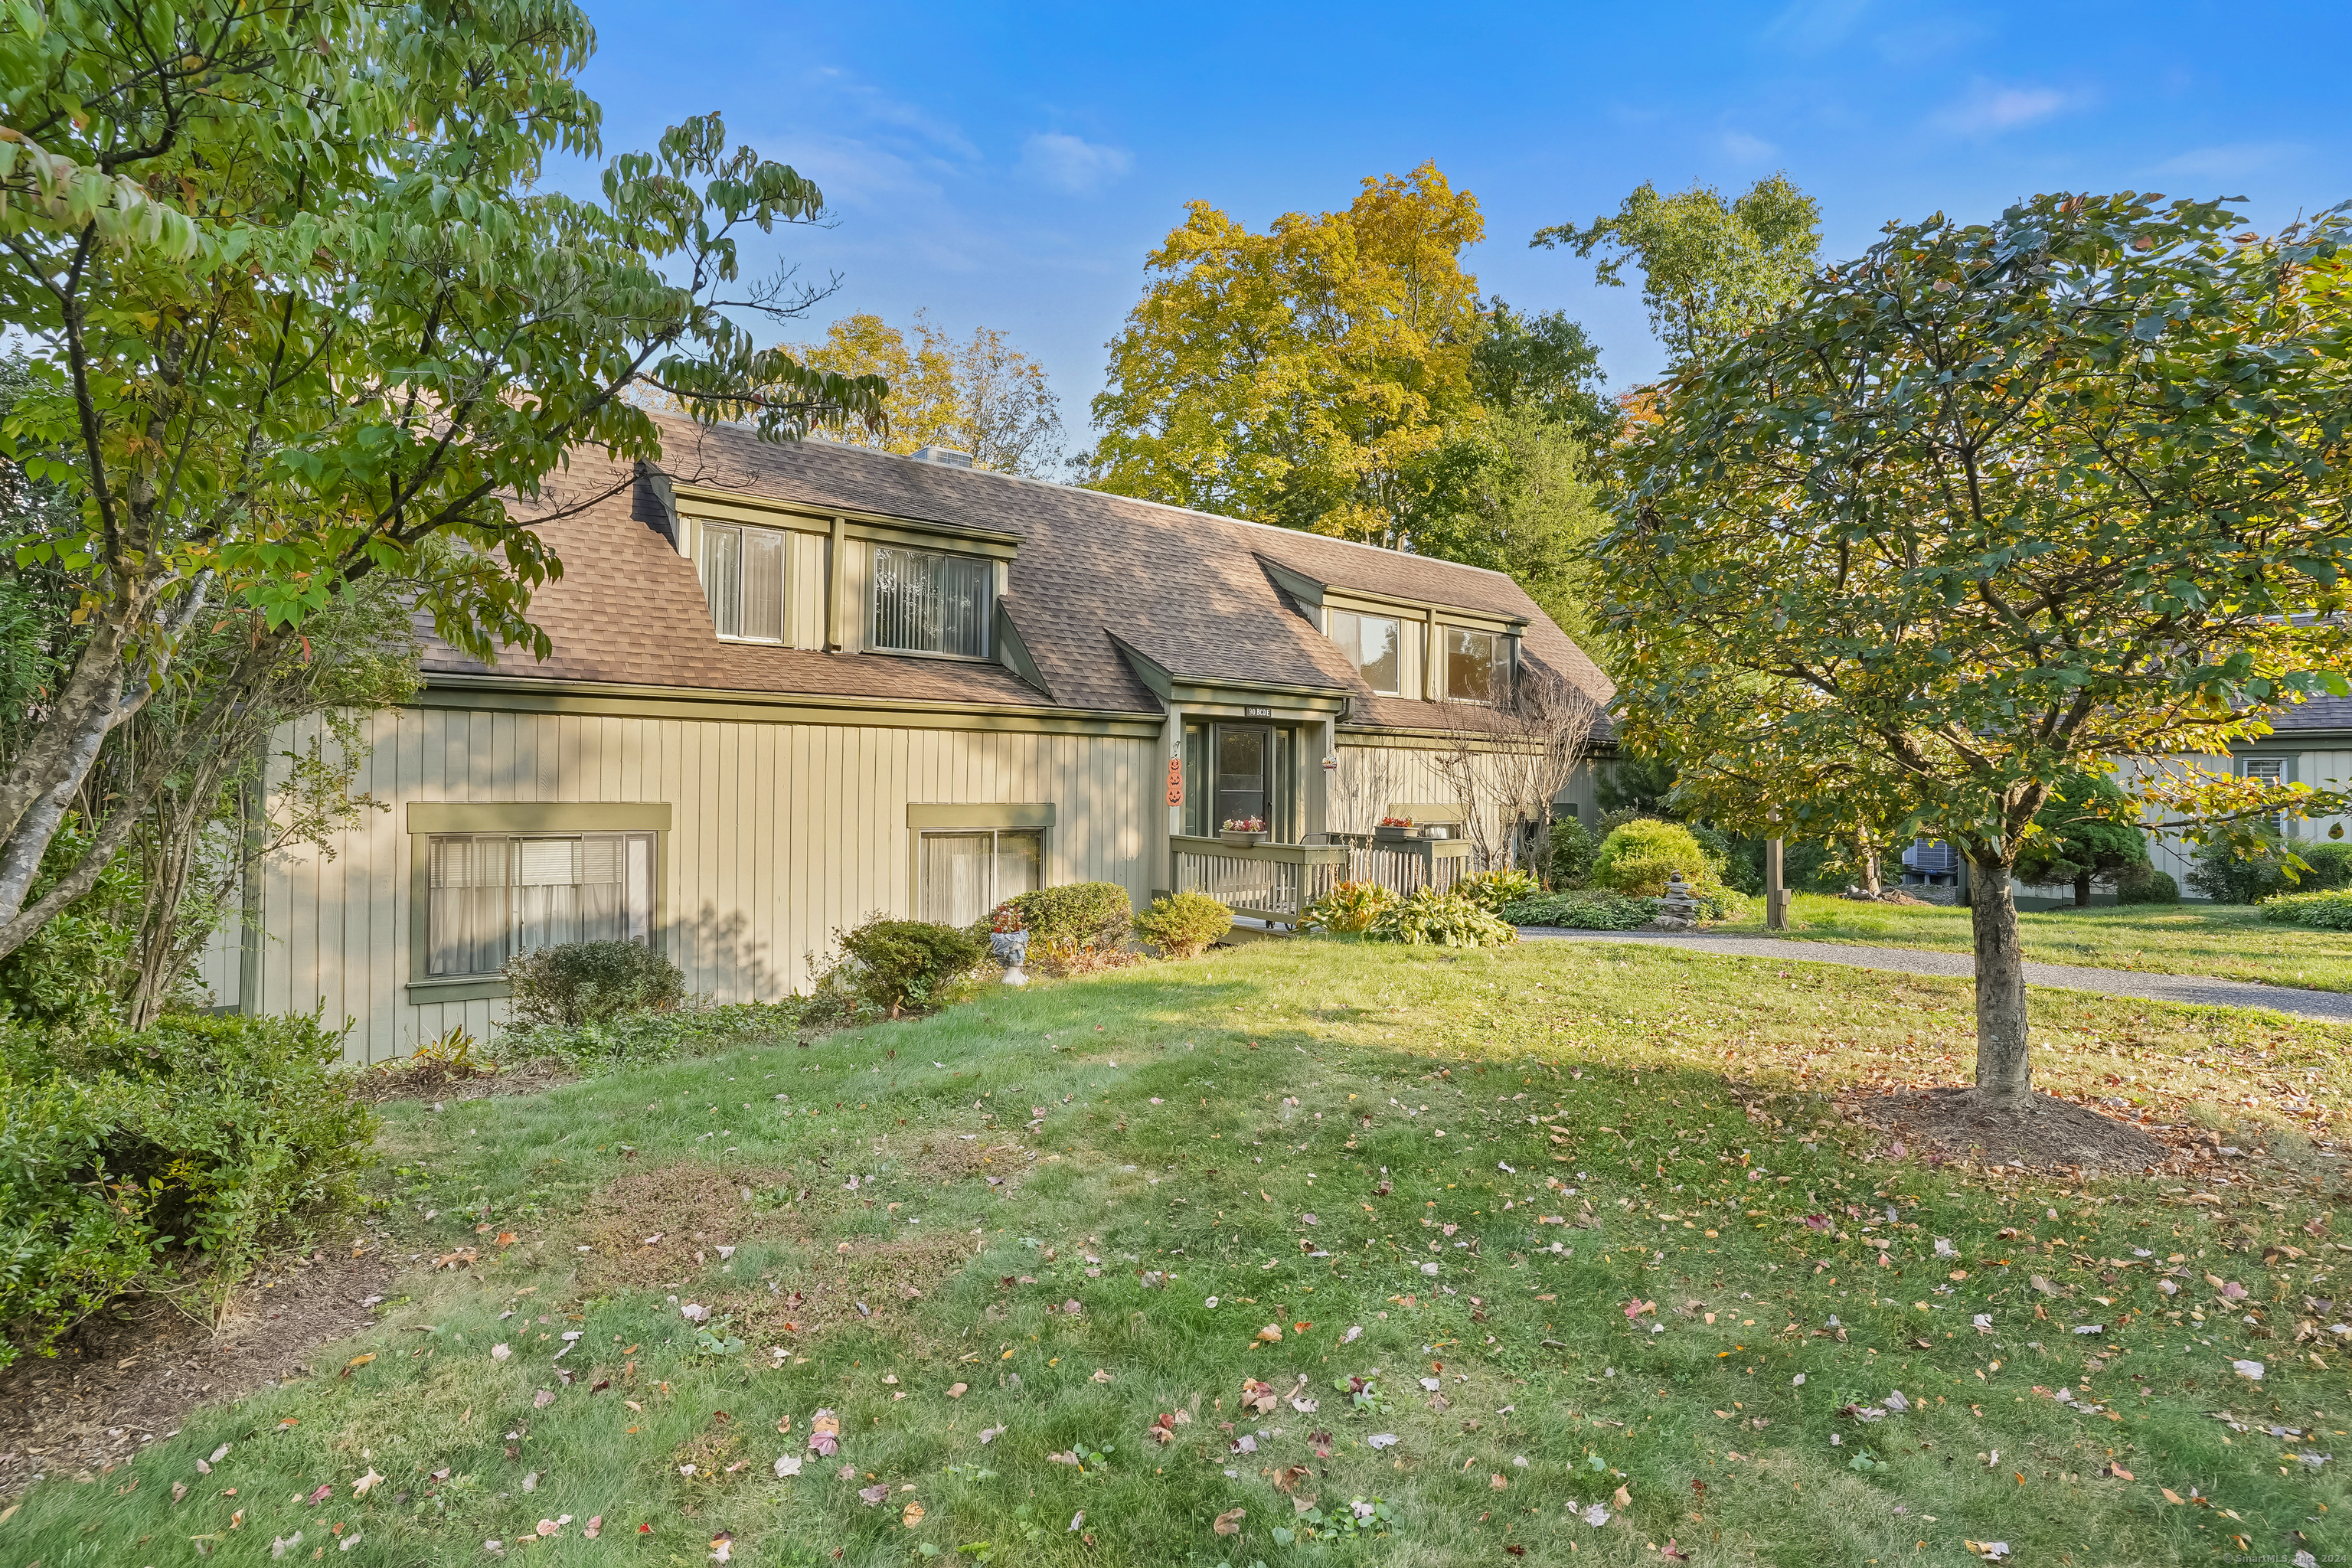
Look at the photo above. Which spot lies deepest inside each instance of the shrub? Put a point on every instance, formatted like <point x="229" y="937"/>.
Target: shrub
<point x="2330" y="909"/>
<point x="2331" y="867"/>
<point x="1637" y="857"/>
<point x="1572" y="850"/>
<point x="69" y="1243"/>
<point x="577" y="983"/>
<point x="1347" y="910"/>
<point x="2220" y="873"/>
<point x="1072" y="926"/>
<point x="1490" y="890"/>
<point x="695" y="1026"/>
<point x="198" y="1140"/>
<point x="1183" y="924"/>
<point x="2146" y="885"/>
<point x="889" y="966"/>
<point x="1431" y="919"/>
<point x="1593" y="909"/>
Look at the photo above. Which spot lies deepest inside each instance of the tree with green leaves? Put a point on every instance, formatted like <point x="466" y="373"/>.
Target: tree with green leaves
<point x="2087" y="831"/>
<point x="1989" y="508"/>
<point x="1545" y="365"/>
<point x="299" y="306"/>
<point x="1711" y="270"/>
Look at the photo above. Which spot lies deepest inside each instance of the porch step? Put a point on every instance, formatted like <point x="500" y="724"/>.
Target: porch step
<point x="1247" y="928"/>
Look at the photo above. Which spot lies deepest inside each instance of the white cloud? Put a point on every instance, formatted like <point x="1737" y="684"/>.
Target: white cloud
<point x="1746" y="149"/>
<point x="1070" y="163"/>
<point x="2230" y="161"/>
<point x="1989" y="108"/>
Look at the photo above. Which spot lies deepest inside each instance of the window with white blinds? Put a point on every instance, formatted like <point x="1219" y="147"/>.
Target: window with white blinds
<point x="743" y="579"/>
<point x="926" y="601"/>
<point x="492" y="896"/>
<point x="966" y="875"/>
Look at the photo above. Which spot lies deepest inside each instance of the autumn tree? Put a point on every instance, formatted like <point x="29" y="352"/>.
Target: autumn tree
<point x="978" y="395"/>
<point x="1305" y="376"/>
<point x="1711" y="270"/>
<point x="297" y="305"/>
<point x="1990" y="507"/>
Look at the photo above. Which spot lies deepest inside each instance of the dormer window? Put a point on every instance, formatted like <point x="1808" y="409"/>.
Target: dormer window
<point x="931" y="602"/>
<point x="1375" y="645"/>
<point x="743" y="579"/>
<point x="1477" y="667"/>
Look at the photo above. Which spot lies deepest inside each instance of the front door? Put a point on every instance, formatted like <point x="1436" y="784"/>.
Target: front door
<point x="1245" y="773"/>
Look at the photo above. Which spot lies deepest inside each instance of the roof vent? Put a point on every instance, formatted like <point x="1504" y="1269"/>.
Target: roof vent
<point x="946" y="457"/>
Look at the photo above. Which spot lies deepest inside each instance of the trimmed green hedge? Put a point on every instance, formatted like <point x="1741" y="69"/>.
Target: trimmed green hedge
<point x="2330" y="909"/>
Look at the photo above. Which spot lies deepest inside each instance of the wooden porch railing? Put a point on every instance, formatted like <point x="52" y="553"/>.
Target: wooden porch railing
<point x="1275" y="882"/>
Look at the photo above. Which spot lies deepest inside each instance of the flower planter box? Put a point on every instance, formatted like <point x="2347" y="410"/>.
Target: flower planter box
<point x="1229" y="836"/>
<point x="1395" y="835"/>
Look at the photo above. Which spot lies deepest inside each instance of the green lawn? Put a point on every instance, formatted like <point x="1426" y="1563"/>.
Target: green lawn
<point x="2228" y="941"/>
<point x="1361" y="1148"/>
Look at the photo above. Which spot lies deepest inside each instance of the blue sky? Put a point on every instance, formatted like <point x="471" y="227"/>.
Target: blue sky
<point x="1010" y="165"/>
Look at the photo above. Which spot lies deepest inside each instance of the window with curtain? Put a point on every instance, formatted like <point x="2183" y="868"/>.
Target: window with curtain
<point x="926" y="601"/>
<point x="1375" y="645"/>
<point x="965" y="875"/>
<point x="1476" y="670"/>
<point x="743" y="579"/>
<point x="492" y="896"/>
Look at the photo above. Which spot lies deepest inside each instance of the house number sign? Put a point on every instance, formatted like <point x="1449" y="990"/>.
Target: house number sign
<point x="1175" y="781"/>
<point x="1258" y="712"/>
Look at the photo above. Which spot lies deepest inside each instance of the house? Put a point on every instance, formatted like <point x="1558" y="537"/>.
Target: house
<point x="791" y="684"/>
<point x="2310" y="744"/>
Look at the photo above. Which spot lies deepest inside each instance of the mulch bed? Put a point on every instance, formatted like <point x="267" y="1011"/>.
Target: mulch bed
<point x="131" y="1375"/>
<point x="2043" y="1133"/>
<point x="431" y="1080"/>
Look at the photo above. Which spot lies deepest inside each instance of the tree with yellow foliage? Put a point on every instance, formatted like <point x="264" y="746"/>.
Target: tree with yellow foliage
<point x="1310" y="376"/>
<point x="981" y="395"/>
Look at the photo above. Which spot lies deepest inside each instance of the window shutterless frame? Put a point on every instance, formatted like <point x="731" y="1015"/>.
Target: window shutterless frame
<point x="493" y="896"/>
<point x="927" y="601"/>
<point x="646" y="821"/>
<point x="743" y="573"/>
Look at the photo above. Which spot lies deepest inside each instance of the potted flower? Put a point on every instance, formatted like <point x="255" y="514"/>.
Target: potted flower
<point x="1395" y="830"/>
<point x="1008" y="939"/>
<point x="1244" y="830"/>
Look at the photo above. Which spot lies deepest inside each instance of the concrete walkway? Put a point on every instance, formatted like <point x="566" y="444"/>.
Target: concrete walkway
<point x="2335" y="1007"/>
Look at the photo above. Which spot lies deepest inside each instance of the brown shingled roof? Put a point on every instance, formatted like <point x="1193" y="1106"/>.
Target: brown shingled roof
<point x="1185" y="589"/>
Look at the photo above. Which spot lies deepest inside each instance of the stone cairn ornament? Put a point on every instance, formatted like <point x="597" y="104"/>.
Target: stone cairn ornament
<point x="1679" y="909"/>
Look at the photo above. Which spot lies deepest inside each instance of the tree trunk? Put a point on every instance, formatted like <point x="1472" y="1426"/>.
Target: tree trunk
<point x="2004" y="1070"/>
<point x="2083" y="891"/>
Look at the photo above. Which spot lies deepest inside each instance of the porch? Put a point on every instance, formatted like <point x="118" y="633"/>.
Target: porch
<point x="1274" y="882"/>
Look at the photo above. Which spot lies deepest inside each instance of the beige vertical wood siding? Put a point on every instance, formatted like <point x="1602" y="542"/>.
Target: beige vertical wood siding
<point x="781" y="834"/>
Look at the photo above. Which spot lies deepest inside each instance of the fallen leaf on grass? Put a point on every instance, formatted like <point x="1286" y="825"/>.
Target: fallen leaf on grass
<point x="2119" y="1472"/>
<point x="542" y="1399"/>
<point x="912" y="1516"/>
<point x="1991" y="1550"/>
<point x="594" y="1528"/>
<point x="1230" y="1522"/>
<point x="872" y="1496"/>
<point x="1271" y="1334"/>
<point x="366" y="1483"/>
<point x="957" y="1391"/>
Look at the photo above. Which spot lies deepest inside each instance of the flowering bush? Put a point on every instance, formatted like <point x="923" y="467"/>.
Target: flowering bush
<point x="1006" y="917"/>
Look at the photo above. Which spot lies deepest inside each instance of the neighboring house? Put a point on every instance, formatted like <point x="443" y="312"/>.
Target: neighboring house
<point x="794" y="685"/>
<point x="2309" y="744"/>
